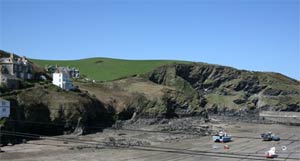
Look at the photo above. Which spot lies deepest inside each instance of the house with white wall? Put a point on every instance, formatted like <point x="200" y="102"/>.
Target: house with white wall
<point x="4" y="108"/>
<point x="62" y="80"/>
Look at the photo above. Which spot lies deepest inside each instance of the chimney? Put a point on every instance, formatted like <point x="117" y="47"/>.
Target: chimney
<point x="12" y="56"/>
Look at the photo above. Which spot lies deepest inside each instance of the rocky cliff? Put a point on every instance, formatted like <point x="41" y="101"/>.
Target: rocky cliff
<point x="170" y="91"/>
<point x="46" y="109"/>
<point x="136" y="97"/>
<point x="223" y="89"/>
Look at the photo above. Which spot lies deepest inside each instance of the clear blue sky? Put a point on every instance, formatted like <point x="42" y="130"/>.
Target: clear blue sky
<point x="260" y="35"/>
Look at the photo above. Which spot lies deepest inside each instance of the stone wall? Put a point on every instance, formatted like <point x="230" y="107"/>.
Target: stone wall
<point x="281" y="117"/>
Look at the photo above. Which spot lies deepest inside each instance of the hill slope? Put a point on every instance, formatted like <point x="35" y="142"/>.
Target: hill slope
<point x="160" y="89"/>
<point x="225" y="89"/>
<point x="180" y="90"/>
<point x="187" y="86"/>
<point x="103" y="69"/>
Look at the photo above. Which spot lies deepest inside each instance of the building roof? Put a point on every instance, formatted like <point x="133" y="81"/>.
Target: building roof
<point x="1" y="99"/>
<point x="5" y="60"/>
<point x="62" y="72"/>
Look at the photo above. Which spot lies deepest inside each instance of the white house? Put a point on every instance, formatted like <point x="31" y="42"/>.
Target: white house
<point x="4" y="108"/>
<point x="62" y="80"/>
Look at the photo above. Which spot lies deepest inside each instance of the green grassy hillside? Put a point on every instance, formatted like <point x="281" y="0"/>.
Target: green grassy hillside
<point x="103" y="69"/>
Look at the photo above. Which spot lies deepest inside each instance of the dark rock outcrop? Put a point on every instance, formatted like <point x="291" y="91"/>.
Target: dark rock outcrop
<point x="239" y="101"/>
<point x="49" y="110"/>
<point x="228" y="90"/>
<point x="272" y="92"/>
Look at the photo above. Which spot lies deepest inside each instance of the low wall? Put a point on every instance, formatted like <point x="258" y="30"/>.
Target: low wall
<point x="281" y="117"/>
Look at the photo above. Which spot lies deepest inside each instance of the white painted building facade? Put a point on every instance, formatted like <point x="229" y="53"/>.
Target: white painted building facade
<point x="62" y="80"/>
<point x="4" y="108"/>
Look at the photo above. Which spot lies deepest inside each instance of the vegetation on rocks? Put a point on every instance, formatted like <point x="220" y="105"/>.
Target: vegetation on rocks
<point x="228" y="88"/>
<point x="145" y="89"/>
<point x="139" y="97"/>
<point x="49" y="110"/>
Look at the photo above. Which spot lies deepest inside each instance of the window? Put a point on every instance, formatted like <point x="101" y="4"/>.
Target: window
<point x="4" y="110"/>
<point x="3" y="103"/>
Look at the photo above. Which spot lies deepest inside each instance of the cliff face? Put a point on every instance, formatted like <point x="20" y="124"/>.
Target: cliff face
<point x="136" y="97"/>
<point x="197" y="89"/>
<point x="224" y="89"/>
<point x="170" y="91"/>
<point x="50" y="110"/>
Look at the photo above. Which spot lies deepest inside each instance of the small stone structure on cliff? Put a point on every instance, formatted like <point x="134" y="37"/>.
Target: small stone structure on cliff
<point x="14" y="68"/>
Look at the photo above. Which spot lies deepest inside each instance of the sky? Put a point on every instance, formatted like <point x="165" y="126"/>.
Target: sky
<point x="259" y="35"/>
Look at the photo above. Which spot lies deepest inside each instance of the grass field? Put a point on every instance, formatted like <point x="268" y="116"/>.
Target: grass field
<point x="104" y="69"/>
